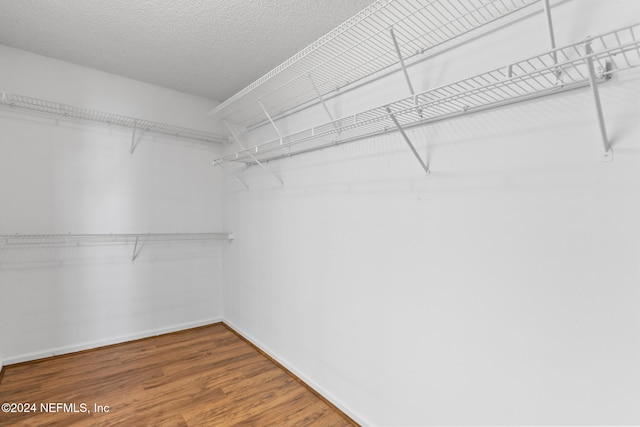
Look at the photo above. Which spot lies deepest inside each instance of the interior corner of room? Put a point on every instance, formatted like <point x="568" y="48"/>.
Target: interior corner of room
<point x="425" y="211"/>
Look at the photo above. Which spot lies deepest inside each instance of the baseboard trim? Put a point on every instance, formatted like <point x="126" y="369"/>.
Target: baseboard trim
<point x="297" y="375"/>
<point x="95" y="345"/>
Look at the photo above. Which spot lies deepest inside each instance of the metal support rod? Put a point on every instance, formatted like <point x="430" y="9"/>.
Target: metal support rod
<point x="547" y="12"/>
<point x="552" y="38"/>
<point x="408" y="141"/>
<point x="258" y="162"/>
<point x="596" y="97"/>
<point x="404" y="68"/>
<point x="271" y="120"/>
<point x="133" y="257"/>
<point x="319" y="95"/>
<point x="324" y="105"/>
<point x="246" y="187"/>
<point x="133" y="137"/>
<point x="510" y="71"/>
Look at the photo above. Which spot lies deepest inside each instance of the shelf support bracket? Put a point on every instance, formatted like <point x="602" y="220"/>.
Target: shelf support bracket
<point x="133" y="137"/>
<point x="271" y="121"/>
<point x="608" y="151"/>
<point x="408" y="141"/>
<point x="246" y="187"/>
<point x="324" y="105"/>
<point x="404" y="70"/>
<point x="135" y="247"/>
<point x="552" y="38"/>
<point x="258" y="162"/>
<point x="510" y="71"/>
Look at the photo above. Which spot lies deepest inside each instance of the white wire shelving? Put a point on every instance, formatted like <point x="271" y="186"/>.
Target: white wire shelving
<point x="137" y="239"/>
<point x="65" y="239"/>
<point x="51" y="108"/>
<point x="385" y="34"/>
<point x="581" y="64"/>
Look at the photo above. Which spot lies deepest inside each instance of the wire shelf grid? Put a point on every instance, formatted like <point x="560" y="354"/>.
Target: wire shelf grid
<point x="42" y="106"/>
<point x="362" y="47"/>
<point x="64" y="239"/>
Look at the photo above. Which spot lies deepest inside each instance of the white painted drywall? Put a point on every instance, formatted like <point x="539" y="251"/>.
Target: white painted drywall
<point x="502" y="290"/>
<point x="58" y="176"/>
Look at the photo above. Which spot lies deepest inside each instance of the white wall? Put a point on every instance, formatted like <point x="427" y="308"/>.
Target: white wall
<point x="60" y="176"/>
<point x="504" y="289"/>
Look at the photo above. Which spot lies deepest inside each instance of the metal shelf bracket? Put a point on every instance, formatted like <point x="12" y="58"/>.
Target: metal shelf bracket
<point x="258" y="162"/>
<point x="135" y="247"/>
<point x="404" y="70"/>
<point x="133" y="137"/>
<point x="424" y="165"/>
<point x="324" y="105"/>
<point x="593" y="82"/>
<point x="271" y="121"/>
<point x="551" y="34"/>
<point x="401" y="61"/>
<point x="241" y="182"/>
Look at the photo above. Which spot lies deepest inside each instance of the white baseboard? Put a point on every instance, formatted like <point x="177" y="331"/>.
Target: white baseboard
<point x="324" y="393"/>
<point x="116" y="340"/>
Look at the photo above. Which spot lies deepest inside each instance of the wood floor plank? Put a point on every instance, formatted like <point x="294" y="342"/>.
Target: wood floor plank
<point x="199" y="377"/>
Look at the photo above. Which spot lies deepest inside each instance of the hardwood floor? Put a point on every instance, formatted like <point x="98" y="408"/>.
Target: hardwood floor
<point x="206" y="376"/>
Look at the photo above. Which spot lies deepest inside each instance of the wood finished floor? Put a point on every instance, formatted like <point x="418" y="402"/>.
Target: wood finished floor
<point x="200" y="377"/>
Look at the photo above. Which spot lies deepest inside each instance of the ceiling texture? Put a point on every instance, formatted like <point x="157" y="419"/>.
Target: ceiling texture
<point x="210" y="48"/>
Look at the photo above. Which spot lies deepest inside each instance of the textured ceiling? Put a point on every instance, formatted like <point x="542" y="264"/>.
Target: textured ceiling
<point x="211" y="48"/>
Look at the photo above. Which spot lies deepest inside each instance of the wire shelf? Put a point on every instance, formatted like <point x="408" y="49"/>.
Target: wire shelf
<point x="42" y="106"/>
<point x="362" y="47"/>
<point x="64" y="239"/>
<point x="555" y="71"/>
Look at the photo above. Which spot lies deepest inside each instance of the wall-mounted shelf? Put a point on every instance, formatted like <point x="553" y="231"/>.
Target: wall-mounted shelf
<point x="39" y="240"/>
<point x="577" y="65"/>
<point x="41" y="106"/>
<point x="63" y="239"/>
<point x="385" y="34"/>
